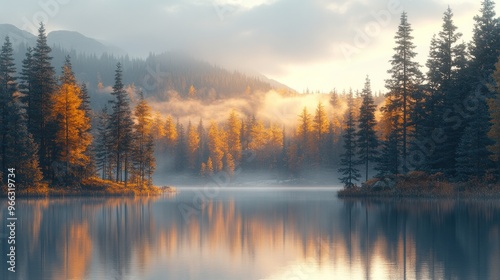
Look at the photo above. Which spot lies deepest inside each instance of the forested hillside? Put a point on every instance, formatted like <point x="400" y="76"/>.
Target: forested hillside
<point x="167" y="109"/>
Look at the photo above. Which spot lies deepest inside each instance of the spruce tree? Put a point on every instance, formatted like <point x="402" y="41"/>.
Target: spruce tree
<point x="102" y="145"/>
<point x="485" y="45"/>
<point x="120" y="127"/>
<point x="446" y="62"/>
<point x="473" y="156"/>
<point x="18" y="149"/>
<point x="484" y="51"/>
<point x="8" y="87"/>
<point x="26" y="83"/>
<point x="494" y="133"/>
<point x="405" y="78"/>
<point x="89" y="169"/>
<point x="348" y="161"/>
<point x="22" y="151"/>
<point x="366" y="136"/>
<point x="42" y="88"/>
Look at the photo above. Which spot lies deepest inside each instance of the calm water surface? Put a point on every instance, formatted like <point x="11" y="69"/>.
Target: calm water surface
<point x="254" y="234"/>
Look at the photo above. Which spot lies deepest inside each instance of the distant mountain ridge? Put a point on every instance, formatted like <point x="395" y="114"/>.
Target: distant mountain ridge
<point x="68" y="40"/>
<point x="162" y="76"/>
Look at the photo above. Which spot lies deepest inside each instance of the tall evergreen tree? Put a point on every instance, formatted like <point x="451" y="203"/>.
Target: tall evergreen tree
<point x="366" y="137"/>
<point x="446" y="62"/>
<point x="405" y="78"/>
<point x="494" y="133"/>
<point x="473" y="156"/>
<point x="27" y="82"/>
<point x="102" y="145"/>
<point x="121" y="128"/>
<point x="22" y="151"/>
<point x="18" y="149"/>
<point x="42" y="88"/>
<point x="485" y="45"/>
<point x="348" y="162"/>
<point x="8" y="87"/>
<point x="484" y="51"/>
<point x="90" y="168"/>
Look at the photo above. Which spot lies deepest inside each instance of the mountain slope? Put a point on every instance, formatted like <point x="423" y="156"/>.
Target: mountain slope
<point x="16" y="35"/>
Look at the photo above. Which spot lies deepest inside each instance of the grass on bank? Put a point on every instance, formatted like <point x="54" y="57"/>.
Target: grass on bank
<point x="91" y="187"/>
<point x="421" y="184"/>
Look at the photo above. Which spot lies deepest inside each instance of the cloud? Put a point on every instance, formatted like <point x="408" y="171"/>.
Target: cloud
<point x="268" y="36"/>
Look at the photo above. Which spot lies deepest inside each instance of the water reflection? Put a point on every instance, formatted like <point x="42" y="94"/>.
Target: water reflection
<point x="274" y="234"/>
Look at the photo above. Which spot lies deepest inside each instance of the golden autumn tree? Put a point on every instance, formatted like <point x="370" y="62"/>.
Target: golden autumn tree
<point x="170" y="133"/>
<point x="73" y="136"/>
<point x="216" y="140"/>
<point x="320" y="131"/>
<point x="158" y="126"/>
<point x="193" y="145"/>
<point x="305" y="138"/>
<point x="143" y="158"/>
<point x="233" y="128"/>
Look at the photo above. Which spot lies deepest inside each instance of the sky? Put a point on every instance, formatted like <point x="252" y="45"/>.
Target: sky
<point x="306" y="44"/>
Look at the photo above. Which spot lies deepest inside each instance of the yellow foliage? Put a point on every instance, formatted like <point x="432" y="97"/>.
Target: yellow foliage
<point x="72" y="135"/>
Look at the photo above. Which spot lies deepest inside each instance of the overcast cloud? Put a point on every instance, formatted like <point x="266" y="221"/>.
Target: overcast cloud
<point x="303" y="43"/>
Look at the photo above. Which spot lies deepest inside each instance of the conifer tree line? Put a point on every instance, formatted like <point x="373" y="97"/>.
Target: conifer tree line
<point x="443" y="121"/>
<point x="46" y="132"/>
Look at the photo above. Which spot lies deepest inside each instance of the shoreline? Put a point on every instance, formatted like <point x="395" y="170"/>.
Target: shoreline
<point x="92" y="187"/>
<point x="418" y="184"/>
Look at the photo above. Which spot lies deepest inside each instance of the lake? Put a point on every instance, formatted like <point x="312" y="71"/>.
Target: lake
<point x="264" y="233"/>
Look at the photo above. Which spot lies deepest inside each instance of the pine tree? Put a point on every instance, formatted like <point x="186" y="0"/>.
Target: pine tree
<point x="22" y="152"/>
<point x="366" y="137"/>
<point x="472" y="153"/>
<point x="348" y="159"/>
<point x="446" y="62"/>
<point x="73" y="136"/>
<point x="484" y="50"/>
<point x="143" y="153"/>
<point x="121" y="128"/>
<point x="494" y="108"/>
<point x="18" y="149"/>
<point x="8" y="87"/>
<point x="27" y="82"/>
<point x="102" y="145"/>
<point x="405" y="78"/>
<point x="42" y="88"/>
<point x="485" y="45"/>
<point x="389" y="161"/>
<point x="90" y="168"/>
